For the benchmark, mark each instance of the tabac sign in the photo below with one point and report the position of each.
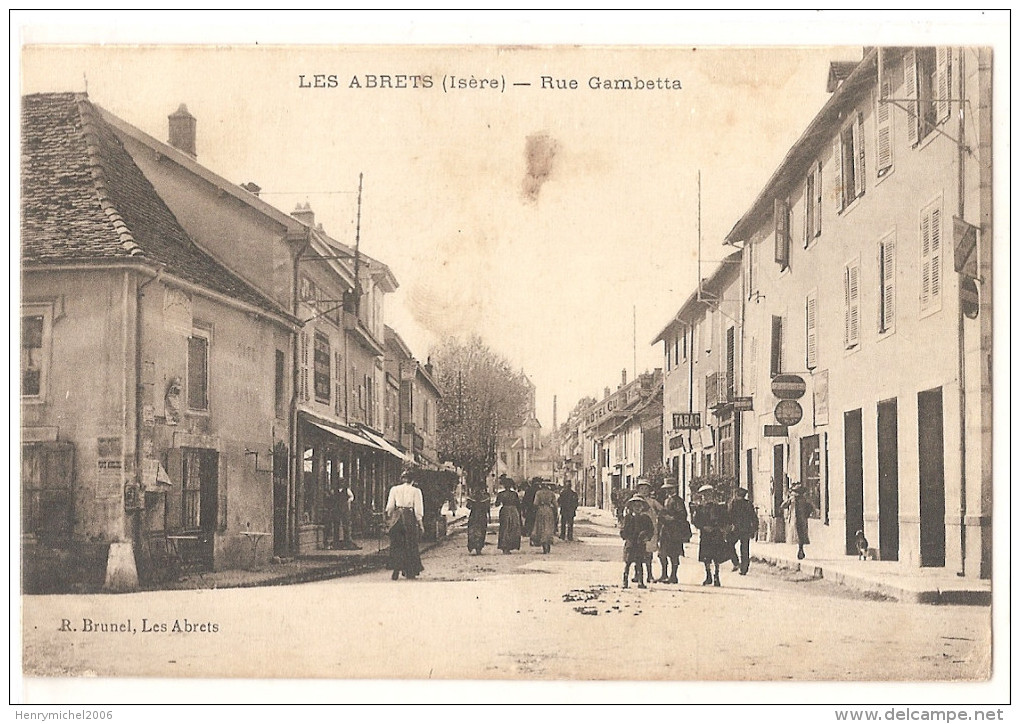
(686, 420)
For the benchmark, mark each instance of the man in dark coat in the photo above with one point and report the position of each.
(744, 520)
(568, 509)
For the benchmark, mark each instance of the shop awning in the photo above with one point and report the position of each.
(346, 435)
(385, 445)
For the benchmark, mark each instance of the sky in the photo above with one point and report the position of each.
(561, 225)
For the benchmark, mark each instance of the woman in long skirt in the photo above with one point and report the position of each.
(478, 520)
(405, 508)
(712, 519)
(509, 518)
(544, 527)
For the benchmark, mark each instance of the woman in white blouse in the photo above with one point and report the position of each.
(405, 508)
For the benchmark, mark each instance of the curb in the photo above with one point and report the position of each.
(954, 597)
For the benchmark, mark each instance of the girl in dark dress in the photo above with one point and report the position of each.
(478, 520)
(509, 518)
(636, 531)
(674, 531)
(711, 517)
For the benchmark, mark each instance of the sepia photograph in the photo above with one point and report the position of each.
(386, 354)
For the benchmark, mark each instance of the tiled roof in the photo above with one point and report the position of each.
(83, 200)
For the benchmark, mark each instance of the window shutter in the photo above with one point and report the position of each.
(749, 259)
(883, 118)
(776, 362)
(304, 366)
(925, 260)
(858, 135)
(936, 254)
(338, 403)
(837, 169)
(730, 360)
(818, 200)
(811, 331)
(852, 332)
(809, 208)
(781, 218)
(888, 268)
(910, 91)
(942, 83)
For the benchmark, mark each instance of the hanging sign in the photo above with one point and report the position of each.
(789, 412)
(788, 387)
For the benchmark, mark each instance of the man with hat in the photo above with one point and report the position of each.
(568, 509)
(745, 527)
(674, 531)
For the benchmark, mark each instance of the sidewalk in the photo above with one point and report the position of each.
(888, 578)
(317, 566)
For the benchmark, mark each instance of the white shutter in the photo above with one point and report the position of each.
(852, 295)
(304, 367)
(925, 260)
(811, 330)
(910, 92)
(936, 255)
(818, 200)
(942, 83)
(887, 252)
(781, 219)
(837, 168)
(809, 207)
(883, 136)
(858, 135)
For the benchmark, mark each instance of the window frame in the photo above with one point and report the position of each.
(45, 311)
(203, 332)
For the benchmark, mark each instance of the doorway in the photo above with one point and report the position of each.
(853, 455)
(933, 480)
(888, 483)
(200, 512)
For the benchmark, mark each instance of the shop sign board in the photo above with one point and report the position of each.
(788, 387)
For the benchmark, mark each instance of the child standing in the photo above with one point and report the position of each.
(637, 530)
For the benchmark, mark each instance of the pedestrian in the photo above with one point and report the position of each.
(528, 504)
(544, 527)
(405, 509)
(636, 531)
(478, 520)
(619, 498)
(644, 491)
(568, 510)
(343, 501)
(798, 509)
(674, 531)
(509, 517)
(711, 518)
(331, 518)
(744, 521)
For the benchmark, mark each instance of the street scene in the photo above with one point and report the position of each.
(510, 363)
(525, 615)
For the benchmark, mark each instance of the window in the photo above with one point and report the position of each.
(683, 346)
(813, 205)
(852, 305)
(34, 357)
(730, 363)
(884, 130)
(848, 154)
(669, 358)
(676, 349)
(369, 400)
(811, 330)
(280, 386)
(927, 73)
(198, 370)
(931, 257)
(776, 361)
(887, 278)
(781, 224)
(322, 360)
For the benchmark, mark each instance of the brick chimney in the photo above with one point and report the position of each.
(182, 130)
(252, 188)
(304, 214)
(623, 378)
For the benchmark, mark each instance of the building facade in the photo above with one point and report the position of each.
(146, 423)
(702, 413)
(867, 277)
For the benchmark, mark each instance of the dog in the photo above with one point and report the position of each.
(861, 543)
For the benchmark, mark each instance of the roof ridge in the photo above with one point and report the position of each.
(98, 172)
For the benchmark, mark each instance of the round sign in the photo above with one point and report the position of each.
(788, 387)
(789, 412)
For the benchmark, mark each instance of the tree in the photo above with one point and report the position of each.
(482, 398)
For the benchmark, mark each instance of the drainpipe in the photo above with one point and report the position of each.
(293, 479)
(961, 155)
